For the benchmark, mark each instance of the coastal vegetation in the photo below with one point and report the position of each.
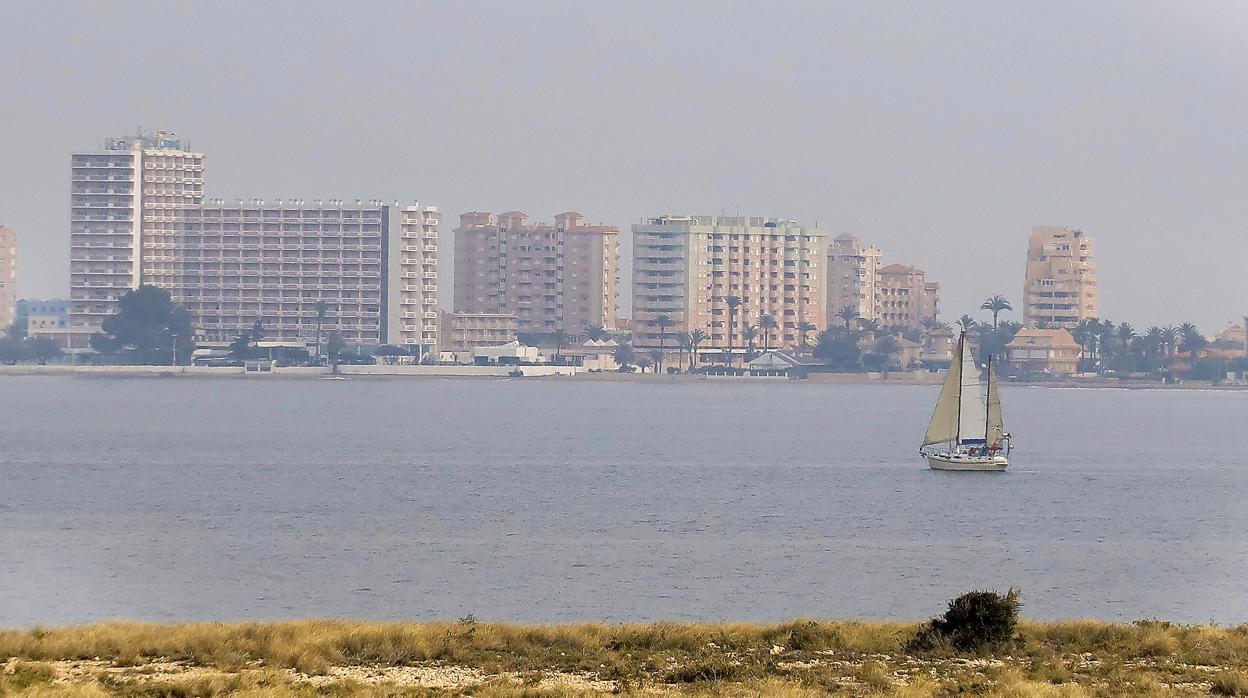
(472, 658)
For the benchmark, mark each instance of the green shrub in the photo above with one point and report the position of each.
(975, 621)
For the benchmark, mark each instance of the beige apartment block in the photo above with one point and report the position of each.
(853, 272)
(123, 203)
(563, 276)
(367, 271)
(687, 267)
(904, 297)
(8, 277)
(1060, 284)
(463, 332)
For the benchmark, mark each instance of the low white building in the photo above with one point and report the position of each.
(510, 353)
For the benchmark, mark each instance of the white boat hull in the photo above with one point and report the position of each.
(962, 461)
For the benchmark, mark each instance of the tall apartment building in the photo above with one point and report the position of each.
(367, 271)
(1060, 283)
(8, 277)
(686, 267)
(551, 277)
(123, 203)
(853, 270)
(904, 297)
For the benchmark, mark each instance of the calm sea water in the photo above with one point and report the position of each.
(536, 500)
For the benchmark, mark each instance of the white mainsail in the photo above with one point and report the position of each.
(972, 424)
(996, 425)
(944, 425)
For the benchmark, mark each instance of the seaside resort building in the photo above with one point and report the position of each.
(367, 271)
(1059, 287)
(686, 267)
(560, 277)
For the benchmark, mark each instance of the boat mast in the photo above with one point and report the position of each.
(957, 433)
(988, 403)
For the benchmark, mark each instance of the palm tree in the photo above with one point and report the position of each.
(733, 303)
(804, 329)
(1152, 346)
(996, 305)
(696, 338)
(1193, 340)
(664, 321)
(767, 323)
(849, 313)
(656, 356)
(1085, 334)
(868, 326)
(750, 334)
(320, 318)
(686, 344)
(559, 336)
(1124, 333)
(1171, 335)
(886, 346)
(595, 332)
(967, 323)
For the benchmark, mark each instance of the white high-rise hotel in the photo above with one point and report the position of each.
(123, 203)
(367, 271)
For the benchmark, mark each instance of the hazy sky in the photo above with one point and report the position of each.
(940, 130)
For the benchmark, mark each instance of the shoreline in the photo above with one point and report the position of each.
(799, 658)
(577, 374)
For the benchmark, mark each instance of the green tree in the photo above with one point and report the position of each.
(148, 323)
(43, 348)
(996, 305)
(389, 353)
(334, 347)
(838, 350)
(887, 352)
(967, 324)
(644, 362)
(13, 349)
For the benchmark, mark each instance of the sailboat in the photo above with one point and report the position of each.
(966, 431)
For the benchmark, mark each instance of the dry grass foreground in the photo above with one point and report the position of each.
(800, 658)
